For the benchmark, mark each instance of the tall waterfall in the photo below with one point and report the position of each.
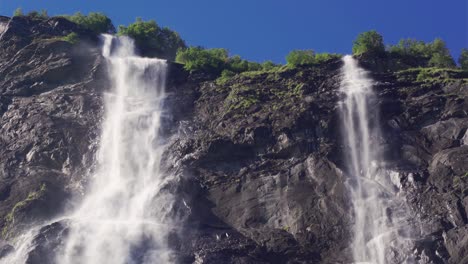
(379, 211)
(124, 215)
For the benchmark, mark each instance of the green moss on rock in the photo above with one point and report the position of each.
(10, 217)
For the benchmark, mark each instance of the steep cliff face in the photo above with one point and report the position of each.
(50, 106)
(260, 155)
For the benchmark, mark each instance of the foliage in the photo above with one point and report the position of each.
(72, 38)
(300, 57)
(410, 47)
(308, 57)
(441, 61)
(238, 65)
(240, 98)
(440, 54)
(369, 42)
(225, 76)
(199, 59)
(39, 15)
(431, 75)
(270, 91)
(324, 57)
(18, 12)
(217, 62)
(96, 22)
(10, 217)
(269, 65)
(153, 40)
(416, 53)
(33, 14)
(463, 59)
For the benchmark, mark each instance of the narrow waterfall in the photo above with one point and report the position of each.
(124, 215)
(379, 212)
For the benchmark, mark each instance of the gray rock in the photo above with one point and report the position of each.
(270, 174)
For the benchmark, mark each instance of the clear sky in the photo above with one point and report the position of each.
(262, 30)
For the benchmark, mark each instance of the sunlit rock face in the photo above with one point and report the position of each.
(262, 175)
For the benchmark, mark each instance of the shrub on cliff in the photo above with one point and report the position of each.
(370, 42)
(308, 57)
(269, 65)
(238, 65)
(416, 53)
(72, 38)
(152, 40)
(410, 47)
(440, 55)
(200, 59)
(324, 57)
(218, 63)
(463, 59)
(33, 14)
(18, 12)
(300, 57)
(38, 15)
(96, 22)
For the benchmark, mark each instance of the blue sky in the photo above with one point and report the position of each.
(262, 30)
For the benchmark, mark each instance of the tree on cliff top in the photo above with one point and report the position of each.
(153, 40)
(463, 59)
(300, 57)
(96, 22)
(18, 12)
(308, 57)
(197, 58)
(418, 53)
(369, 42)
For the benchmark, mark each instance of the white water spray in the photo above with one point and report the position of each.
(379, 211)
(124, 217)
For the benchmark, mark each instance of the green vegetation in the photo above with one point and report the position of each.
(324, 57)
(241, 98)
(218, 63)
(440, 55)
(10, 217)
(238, 65)
(463, 59)
(33, 14)
(226, 75)
(72, 38)
(411, 47)
(432, 75)
(300, 57)
(153, 40)
(415, 53)
(39, 15)
(274, 92)
(269, 65)
(308, 57)
(96, 22)
(18, 12)
(199, 59)
(370, 42)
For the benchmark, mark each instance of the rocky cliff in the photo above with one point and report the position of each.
(259, 155)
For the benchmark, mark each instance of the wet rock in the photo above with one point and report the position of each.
(260, 157)
(5, 248)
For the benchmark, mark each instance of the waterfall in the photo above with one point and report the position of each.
(124, 217)
(380, 227)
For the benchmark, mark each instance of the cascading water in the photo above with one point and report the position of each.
(379, 211)
(124, 216)
(128, 212)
